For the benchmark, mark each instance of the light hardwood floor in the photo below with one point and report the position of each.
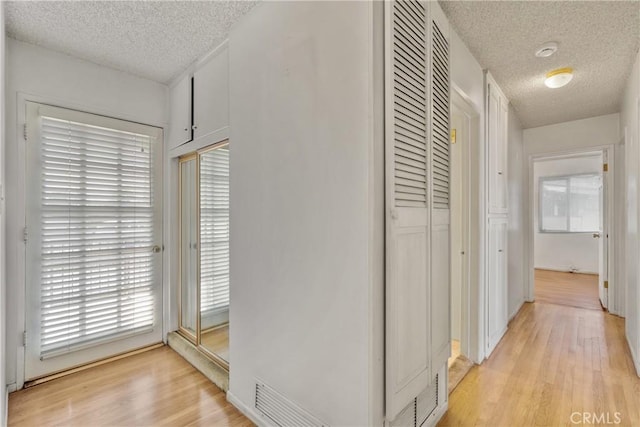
(573, 289)
(553, 361)
(217, 341)
(155, 388)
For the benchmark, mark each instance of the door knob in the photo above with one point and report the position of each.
(596, 235)
(155, 249)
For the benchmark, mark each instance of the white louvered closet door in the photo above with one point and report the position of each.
(94, 238)
(407, 356)
(440, 191)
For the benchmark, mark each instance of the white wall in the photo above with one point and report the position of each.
(301, 145)
(564, 251)
(467, 77)
(516, 183)
(630, 130)
(3, 282)
(562, 138)
(573, 135)
(38, 74)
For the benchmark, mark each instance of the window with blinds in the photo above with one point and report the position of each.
(440, 118)
(410, 104)
(214, 233)
(97, 217)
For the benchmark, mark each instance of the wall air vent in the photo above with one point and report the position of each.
(427, 402)
(280, 411)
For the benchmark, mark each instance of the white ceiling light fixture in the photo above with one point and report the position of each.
(558, 78)
(547, 50)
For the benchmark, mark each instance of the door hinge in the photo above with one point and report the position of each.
(24, 131)
(605, 167)
(24, 339)
(25, 234)
(453, 136)
(606, 284)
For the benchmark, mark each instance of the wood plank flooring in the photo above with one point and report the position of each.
(155, 388)
(553, 361)
(572, 289)
(217, 341)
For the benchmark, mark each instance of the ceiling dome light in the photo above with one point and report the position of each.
(558, 78)
(547, 49)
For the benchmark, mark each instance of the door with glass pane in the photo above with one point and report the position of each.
(93, 238)
(204, 249)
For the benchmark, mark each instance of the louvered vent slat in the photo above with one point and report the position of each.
(440, 119)
(410, 104)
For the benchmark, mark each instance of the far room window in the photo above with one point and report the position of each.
(570, 204)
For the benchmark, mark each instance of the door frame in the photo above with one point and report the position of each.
(470, 344)
(608, 152)
(15, 130)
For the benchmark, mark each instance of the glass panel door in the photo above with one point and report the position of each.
(204, 246)
(214, 251)
(188, 247)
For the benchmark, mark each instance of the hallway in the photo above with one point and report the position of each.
(554, 361)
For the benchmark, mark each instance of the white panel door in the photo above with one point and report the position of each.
(497, 134)
(211, 95)
(603, 237)
(94, 222)
(497, 308)
(408, 317)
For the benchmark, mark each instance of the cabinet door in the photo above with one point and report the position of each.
(494, 152)
(211, 96)
(497, 282)
(503, 134)
(180, 125)
(497, 115)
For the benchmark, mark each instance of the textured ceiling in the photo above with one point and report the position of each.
(153, 39)
(598, 39)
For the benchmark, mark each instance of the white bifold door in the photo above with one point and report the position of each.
(417, 202)
(93, 238)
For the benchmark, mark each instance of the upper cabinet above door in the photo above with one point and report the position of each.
(200, 103)
(211, 96)
(497, 129)
(180, 130)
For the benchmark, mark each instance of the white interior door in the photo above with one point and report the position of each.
(603, 237)
(457, 224)
(408, 317)
(94, 238)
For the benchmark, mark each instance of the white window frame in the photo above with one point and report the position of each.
(566, 178)
(91, 353)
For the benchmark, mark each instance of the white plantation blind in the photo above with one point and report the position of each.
(96, 234)
(440, 118)
(214, 231)
(410, 104)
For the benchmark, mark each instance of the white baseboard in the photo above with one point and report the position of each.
(248, 412)
(634, 356)
(437, 415)
(12, 387)
(517, 309)
(5, 410)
